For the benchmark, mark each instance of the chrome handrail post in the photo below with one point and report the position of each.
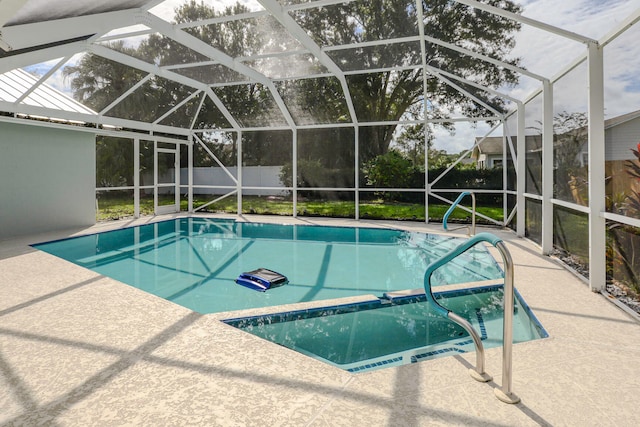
(504, 393)
(478, 373)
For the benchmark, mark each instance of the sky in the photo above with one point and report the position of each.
(547, 55)
(542, 53)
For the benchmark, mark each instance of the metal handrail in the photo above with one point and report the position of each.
(472, 230)
(504, 393)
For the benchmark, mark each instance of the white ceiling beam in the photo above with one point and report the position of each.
(364, 124)
(434, 70)
(528, 21)
(130, 61)
(299, 34)
(41, 111)
(223, 109)
(485, 58)
(44, 78)
(203, 48)
(189, 65)
(222, 19)
(195, 116)
(468, 94)
(273, 55)
(630, 21)
(370, 43)
(125, 94)
(133, 124)
(46, 32)
(315, 4)
(125, 35)
(62, 115)
(177, 107)
(12, 62)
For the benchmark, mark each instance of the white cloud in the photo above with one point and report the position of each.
(463, 137)
(546, 53)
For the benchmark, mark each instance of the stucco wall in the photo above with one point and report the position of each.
(47, 179)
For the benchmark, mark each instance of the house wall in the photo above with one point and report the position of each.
(47, 179)
(620, 139)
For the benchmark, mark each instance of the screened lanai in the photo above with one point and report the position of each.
(205, 101)
(178, 137)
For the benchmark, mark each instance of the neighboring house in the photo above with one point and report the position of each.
(488, 154)
(622, 133)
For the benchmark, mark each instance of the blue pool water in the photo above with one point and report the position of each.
(194, 261)
(371, 335)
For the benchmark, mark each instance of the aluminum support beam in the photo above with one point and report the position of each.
(521, 170)
(45, 32)
(356, 169)
(505, 167)
(239, 169)
(547, 167)
(597, 207)
(42, 55)
(136, 177)
(294, 173)
(190, 174)
(423, 54)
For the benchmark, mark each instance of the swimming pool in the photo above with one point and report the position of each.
(389, 332)
(194, 261)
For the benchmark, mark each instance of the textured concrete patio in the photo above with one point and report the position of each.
(80, 349)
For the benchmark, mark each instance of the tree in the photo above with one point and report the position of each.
(114, 162)
(570, 132)
(390, 95)
(97, 82)
(411, 142)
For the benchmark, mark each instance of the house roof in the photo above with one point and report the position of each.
(490, 145)
(19, 86)
(615, 121)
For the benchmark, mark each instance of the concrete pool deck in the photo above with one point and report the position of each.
(80, 349)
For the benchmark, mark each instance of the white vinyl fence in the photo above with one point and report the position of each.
(252, 176)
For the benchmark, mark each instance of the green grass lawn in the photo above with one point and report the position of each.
(111, 208)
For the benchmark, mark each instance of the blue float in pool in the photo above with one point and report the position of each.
(261, 279)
